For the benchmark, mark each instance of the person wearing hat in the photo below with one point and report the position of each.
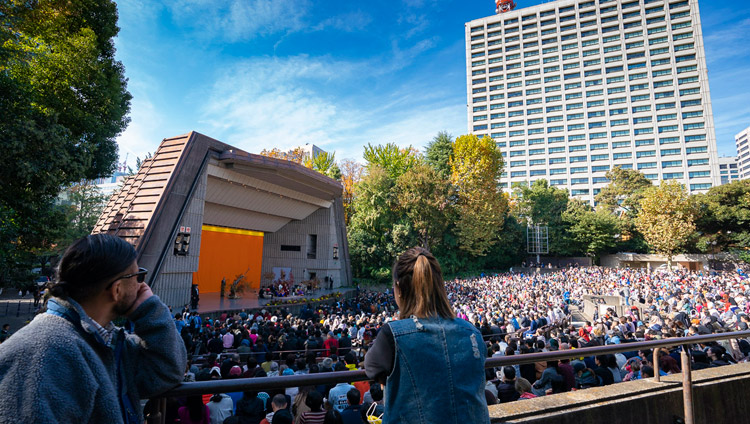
(215, 373)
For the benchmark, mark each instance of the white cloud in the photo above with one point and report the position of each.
(347, 22)
(240, 20)
(147, 124)
(272, 102)
(728, 43)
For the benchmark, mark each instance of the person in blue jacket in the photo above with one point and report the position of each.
(428, 348)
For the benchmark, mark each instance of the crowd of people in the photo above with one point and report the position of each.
(516, 314)
(409, 340)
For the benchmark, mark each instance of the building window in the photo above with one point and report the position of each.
(312, 246)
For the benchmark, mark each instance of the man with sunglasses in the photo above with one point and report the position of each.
(72, 364)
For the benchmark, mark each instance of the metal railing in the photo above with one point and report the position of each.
(17, 308)
(356, 346)
(266, 383)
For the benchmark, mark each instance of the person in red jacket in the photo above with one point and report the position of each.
(330, 342)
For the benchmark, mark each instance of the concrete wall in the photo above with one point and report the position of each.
(323, 224)
(617, 303)
(719, 397)
(176, 276)
(173, 283)
(641, 260)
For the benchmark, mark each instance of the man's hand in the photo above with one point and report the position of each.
(144, 292)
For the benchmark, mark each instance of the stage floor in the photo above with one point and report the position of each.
(212, 302)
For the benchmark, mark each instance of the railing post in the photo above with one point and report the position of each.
(657, 376)
(687, 385)
(163, 410)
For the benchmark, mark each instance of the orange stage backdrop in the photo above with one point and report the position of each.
(226, 253)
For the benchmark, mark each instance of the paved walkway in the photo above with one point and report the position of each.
(578, 318)
(16, 310)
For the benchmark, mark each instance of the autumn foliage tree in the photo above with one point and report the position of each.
(351, 174)
(476, 165)
(666, 218)
(296, 155)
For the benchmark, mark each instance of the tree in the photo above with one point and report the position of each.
(84, 203)
(351, 174)
(542, 204)
(666, 218)
(377, 232)
(624, 192)
(394, 160)
(63, 99)
(480, 205)
(296, 155)
(724, 217)
(325, 163)
(423, 198)
(139, 163)
(438, 154)
(621, 198)
(593, 231)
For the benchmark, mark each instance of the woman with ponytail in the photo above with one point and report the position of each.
(432, 363)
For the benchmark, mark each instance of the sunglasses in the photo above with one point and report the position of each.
(140, 277)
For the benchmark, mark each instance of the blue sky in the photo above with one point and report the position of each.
(259, 74)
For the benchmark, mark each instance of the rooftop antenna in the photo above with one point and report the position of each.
(502, 6)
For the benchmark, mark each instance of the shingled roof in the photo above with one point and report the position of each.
(163, 184)
(130, 210)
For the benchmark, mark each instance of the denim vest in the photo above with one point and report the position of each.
(438, 373)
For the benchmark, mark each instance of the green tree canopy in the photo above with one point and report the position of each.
(63, 99)
(423, 199)
(724, 216)
(594, 232)
(325, 163)
(624, 192)
(84, 203)
(393, 159)
(438, 153)
(377, 231)
(542, 204)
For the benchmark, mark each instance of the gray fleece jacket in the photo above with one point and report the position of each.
(52, 371)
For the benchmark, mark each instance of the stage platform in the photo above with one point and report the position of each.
(212, 302)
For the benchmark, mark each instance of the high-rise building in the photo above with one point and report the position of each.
(728, 169)
(572, 88)
(311, 150)
(743, 153)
